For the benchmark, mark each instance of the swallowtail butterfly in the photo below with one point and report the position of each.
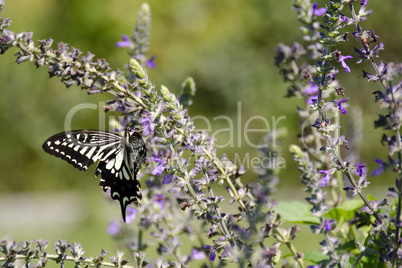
(120, 158)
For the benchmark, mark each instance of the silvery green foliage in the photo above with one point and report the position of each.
(311, 71)
(179, 200)
(35, 254)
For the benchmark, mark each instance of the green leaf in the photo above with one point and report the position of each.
(314, 256)
(346, 211)
(296, 212)
(348, 246)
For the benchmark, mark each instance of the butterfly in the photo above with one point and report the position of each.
(120, 158)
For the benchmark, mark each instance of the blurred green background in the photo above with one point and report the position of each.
(227, 46)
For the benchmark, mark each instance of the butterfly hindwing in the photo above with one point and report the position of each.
(119, 174)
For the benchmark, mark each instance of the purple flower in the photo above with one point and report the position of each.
(332, 74)
(324, 181)
(148, 126)
(392, 191)
(312, 100)
(342, 59)
(197, 254)
(363, 2)
(380, 169)
(160, 201)
(213, 254)
(318, 12)
(167, 179)
(114, 227)
(360, 169)
(328, 225)
(94, 91)
(131, 213)
(375, 205)
(150, 62)
(311, 89)
(344, 18)
(157, 159)
(339, 104)
(319, 124)
(120, 106)
(159, 169)
(125, 43)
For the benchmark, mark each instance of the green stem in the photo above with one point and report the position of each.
(174, 251)
(352, 180)
(218, 165)
(223, 225)
(336, 151)
(226, 177)
(140, 233)
(291, 247)
(223, 228)
(339, 174)
(397, 135)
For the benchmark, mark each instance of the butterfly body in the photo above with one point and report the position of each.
(120, 159)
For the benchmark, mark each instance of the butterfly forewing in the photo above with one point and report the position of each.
(120, 159)
(81, 148)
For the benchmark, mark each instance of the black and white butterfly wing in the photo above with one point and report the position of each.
(120, 159)
(119, 172)
(81, 148)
